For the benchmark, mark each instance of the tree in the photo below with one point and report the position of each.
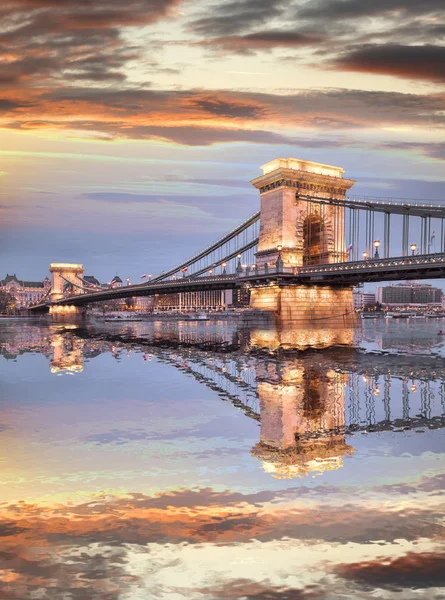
(7, 302)
(130, 303)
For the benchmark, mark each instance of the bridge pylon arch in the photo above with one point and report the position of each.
(62, 273)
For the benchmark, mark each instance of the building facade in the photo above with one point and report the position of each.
(363, 299)
(406, 294)
(190, 301)
(24, 292)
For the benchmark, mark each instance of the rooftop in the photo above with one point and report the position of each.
(297, 164)
(31, 284)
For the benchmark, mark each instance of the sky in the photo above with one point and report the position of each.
(130, 132)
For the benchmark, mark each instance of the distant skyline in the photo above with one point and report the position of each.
(130, 132)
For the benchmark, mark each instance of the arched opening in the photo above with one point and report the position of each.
(314, 240)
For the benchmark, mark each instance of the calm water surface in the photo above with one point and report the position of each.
(175, 461)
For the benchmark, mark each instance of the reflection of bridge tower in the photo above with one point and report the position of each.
(295, 232)
(61, 273)
(302, 413)
(67, 354)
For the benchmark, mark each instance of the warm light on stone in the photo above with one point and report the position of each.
(296, 402)
(301, 165)
(63, 272)
(284, 218)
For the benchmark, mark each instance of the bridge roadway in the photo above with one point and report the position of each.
(427, 266)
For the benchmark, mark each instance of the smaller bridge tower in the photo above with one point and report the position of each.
(60, 274)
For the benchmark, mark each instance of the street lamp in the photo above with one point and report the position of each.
(413, 248)
(239, 268)
(365, 255)
(279, 264)
(224, 265)
(376, 246)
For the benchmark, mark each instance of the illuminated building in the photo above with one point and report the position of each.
(409, 294)
(25, 292)
(188, 301)
(363, 299)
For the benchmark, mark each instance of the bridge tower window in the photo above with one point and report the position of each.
(315, 246)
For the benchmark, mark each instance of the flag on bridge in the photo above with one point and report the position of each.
(143, 276)
(434, 235)
(349, 248)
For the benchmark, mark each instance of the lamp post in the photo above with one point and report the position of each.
(413, 249)
(224, 265)
(365, 255)
(376, 246)
(239, 268)
(279, 264)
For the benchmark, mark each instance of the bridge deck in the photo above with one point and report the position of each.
(429, 266)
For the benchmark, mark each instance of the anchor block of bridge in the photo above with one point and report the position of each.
(295, 233)
(61, 273)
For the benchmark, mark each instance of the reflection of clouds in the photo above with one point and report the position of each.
(198, 542)
(300, 541)
(415, 570)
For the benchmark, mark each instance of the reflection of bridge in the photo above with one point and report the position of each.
(308, 407)
(301, 253)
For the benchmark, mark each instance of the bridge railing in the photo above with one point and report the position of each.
(359, 265)
(402, 261)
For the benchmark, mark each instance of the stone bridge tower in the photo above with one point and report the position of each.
(302, 233)
(60, 274)
(305, 233)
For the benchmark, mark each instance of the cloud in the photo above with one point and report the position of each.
(415, 570)
(351, 9)
(43, 42)
(252, 590)
(411, 62)
(434, 150)
(264, 40)
(227, 18)
(201, 117)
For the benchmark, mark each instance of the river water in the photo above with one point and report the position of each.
(186, 461)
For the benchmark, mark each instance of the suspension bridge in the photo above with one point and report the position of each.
(300, 254)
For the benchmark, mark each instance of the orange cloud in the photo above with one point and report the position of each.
(198, 117)
(84, 547)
